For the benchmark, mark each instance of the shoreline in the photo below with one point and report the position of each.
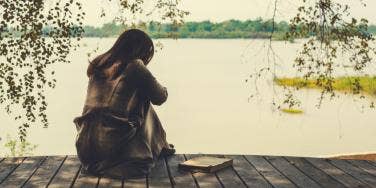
(369, 157)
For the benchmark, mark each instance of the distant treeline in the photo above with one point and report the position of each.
(257, 28)
(228, 29)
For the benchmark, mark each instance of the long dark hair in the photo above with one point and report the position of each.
(131, 44)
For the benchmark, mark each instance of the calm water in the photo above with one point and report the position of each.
(208, 109)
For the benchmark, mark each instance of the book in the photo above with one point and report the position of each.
(206, 164)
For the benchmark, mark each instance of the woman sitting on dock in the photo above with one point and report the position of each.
(119, 133)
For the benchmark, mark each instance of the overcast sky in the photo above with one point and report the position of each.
(220, 10)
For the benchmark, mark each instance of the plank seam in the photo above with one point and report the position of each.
(374, 175)
(241, 179)
(169, 173)
(372, 163)
(333, 178)
(98, 178)
(359, 180)
(233, 169)
(280, 172)
(194, 178)
(57, 170)
(41, 161)
(219, 180)
(270, 184)
(147, 180)
(76, 176)
(12, 170)
(303, 172)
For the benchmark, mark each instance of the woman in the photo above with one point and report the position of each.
(119, 133)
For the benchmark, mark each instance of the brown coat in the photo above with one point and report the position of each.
(119, 133)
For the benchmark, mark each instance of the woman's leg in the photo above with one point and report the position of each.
(156, 134)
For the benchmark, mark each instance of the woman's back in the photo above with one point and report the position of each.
(119, 93)
(118, 124)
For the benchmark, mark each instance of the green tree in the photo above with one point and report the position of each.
(153, 27)
(205, 26)
(192, 26)
(112, 29)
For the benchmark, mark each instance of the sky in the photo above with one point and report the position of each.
(220, 10)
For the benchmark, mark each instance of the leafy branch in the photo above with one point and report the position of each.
(25, 72)
(35, 35)
(333, 32)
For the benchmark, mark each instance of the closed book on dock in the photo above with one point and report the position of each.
(205, 164)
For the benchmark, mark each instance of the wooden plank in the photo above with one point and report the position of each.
(336, 173)
(108, 182)
(67, 173)
(248, 173)
(228, 177)
(179, 178)
(372, 162)
(355, 172)
(45, 172)
(292, 173)
(8, 165)
(205, 180)
(135, 183)
(85, 180)
(269, 172)
(158, 176)
(365, 166)
(319, 176)
(23, 172)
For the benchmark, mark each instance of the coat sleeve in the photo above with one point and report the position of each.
(148, 84)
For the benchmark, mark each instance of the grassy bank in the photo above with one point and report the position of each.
(343, 84)
(292, 111)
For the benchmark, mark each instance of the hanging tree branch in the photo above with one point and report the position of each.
(330, 30)
(36, 34)
(32, 38)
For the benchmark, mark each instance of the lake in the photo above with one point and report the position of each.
(209, 110)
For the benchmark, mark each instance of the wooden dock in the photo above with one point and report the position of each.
(248, 171)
